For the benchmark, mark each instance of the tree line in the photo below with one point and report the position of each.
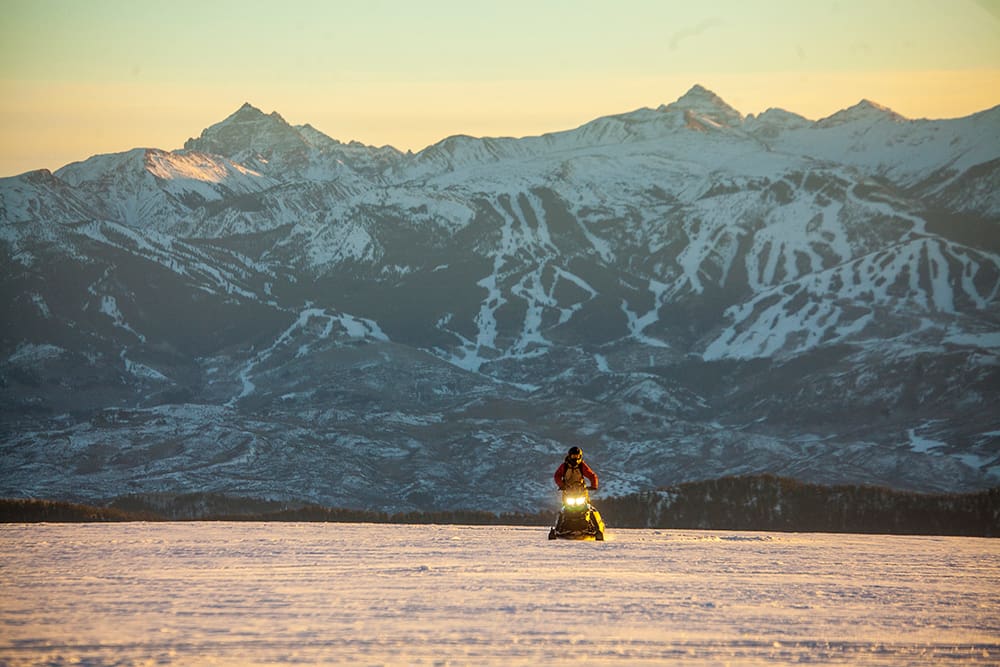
(757, 502)
(771, 503)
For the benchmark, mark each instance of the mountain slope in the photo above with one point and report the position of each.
(683, 291)
(269, 144)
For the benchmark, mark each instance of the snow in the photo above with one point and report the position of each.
(109, 307)
(637, 324)
(281, 594)
(200, 173)
(602, 363)
(141, 370)
(353, 327)
(923, 445)
(770, 323)
(177, 256)
(332, 245)
(30, 353)
(984, 340)
(43, 308)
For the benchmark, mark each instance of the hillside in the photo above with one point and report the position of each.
(683, 291)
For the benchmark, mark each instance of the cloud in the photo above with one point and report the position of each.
(697, 30)
(991, 6)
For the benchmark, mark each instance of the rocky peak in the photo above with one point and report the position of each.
(701, 103)
(248, 131)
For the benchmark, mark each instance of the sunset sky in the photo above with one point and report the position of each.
(80, 78)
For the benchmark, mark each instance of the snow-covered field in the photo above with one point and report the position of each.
(279, 594)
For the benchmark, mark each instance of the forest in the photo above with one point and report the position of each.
(755, 502)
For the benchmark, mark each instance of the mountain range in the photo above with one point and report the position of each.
(685, 292)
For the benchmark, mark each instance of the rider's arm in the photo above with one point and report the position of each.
(558, 477)
(589, 473)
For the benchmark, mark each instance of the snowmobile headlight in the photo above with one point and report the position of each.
(574, 501)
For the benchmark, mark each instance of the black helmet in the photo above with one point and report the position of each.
(575, 454)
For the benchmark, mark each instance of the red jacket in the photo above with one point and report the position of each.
(585, 470)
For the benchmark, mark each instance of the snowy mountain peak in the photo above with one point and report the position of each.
(248, 109)
(246, 132)
(864, 111)
(314, 137)
(773, 122)
(699, 102)
(38, 177)
(699, 94)
(268, 144)
(249, 113)
(776, 115)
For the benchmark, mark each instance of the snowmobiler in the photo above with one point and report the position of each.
(578, 519)
(574, 470)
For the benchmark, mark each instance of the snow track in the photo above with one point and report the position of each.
(274, 594)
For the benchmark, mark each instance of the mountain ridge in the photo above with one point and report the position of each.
(698, 97)
(684, 292)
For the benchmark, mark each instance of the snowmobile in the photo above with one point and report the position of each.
(578, 519)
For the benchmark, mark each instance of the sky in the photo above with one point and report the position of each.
(79, 78)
